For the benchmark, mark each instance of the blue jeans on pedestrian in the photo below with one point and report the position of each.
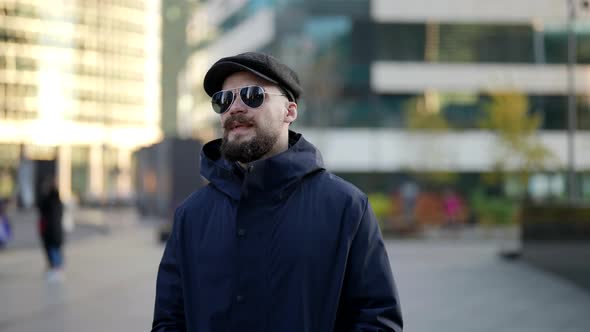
(55, 257)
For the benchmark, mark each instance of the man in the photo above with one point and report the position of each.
(274, 242)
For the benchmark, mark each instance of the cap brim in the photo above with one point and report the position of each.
(215, 77)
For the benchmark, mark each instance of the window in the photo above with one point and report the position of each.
(454, 42)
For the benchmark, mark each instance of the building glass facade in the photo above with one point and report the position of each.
(335, 46)
(76, 77)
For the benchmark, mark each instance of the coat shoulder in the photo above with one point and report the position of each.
(341, 189)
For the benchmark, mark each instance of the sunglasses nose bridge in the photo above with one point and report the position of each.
(244, 105)
(237, 104)
(238, 95)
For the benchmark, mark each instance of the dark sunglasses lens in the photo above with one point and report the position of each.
(221, 101)
(252, 96)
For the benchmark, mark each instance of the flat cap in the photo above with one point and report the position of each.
(262, 65)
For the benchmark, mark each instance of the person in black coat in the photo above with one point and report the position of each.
(274, 241)
(50, 227)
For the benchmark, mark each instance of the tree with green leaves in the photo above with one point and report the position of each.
(507, 115)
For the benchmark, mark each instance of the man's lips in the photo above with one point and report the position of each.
(238, 125)
(239, 128)
(238, 122)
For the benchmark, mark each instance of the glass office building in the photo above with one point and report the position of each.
(366, 64)
(79, 85)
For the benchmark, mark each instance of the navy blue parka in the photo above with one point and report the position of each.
(280, 246)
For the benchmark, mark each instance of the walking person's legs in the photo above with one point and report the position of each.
(47, 251)
(56, 261)
(56, 257)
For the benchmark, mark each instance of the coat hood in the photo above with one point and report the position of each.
(266, 177)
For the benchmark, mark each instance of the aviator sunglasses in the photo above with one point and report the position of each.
(252, 96)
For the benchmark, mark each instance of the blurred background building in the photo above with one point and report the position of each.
(406, 89)
(79, 92)
(465, 95)
(174, 54)
(447, 113)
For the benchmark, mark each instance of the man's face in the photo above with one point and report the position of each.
(251, 133)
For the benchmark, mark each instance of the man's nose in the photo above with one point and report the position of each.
(237, 106)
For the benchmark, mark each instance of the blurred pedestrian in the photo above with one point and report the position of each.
(453, 207)
(274, 242)
(5, 227)
(409, 194)
(51, 228)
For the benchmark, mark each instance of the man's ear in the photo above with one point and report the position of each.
(291, 114)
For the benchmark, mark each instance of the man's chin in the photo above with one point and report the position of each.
(236, 141)
(247, 146)
(238, 136)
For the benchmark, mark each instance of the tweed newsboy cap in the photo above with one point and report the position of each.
(259, 64)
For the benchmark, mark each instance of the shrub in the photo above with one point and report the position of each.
(493, 209)
(382, 206)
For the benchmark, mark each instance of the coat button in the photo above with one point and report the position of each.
(239, 299)
(241, 232)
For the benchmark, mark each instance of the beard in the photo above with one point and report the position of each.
(253, 149)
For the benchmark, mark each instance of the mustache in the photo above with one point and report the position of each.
(235, 119)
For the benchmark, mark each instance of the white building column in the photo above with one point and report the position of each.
(124, 181)
(64, 171)
(96, 172)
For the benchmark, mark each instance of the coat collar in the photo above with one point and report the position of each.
(262, 178)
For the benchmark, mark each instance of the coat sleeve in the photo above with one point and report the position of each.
(169, 303)
(369, 300)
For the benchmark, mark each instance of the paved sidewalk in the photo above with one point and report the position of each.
(445, 285)
(109, 286)
(25, 233)
(87, 222)
(463, 286)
